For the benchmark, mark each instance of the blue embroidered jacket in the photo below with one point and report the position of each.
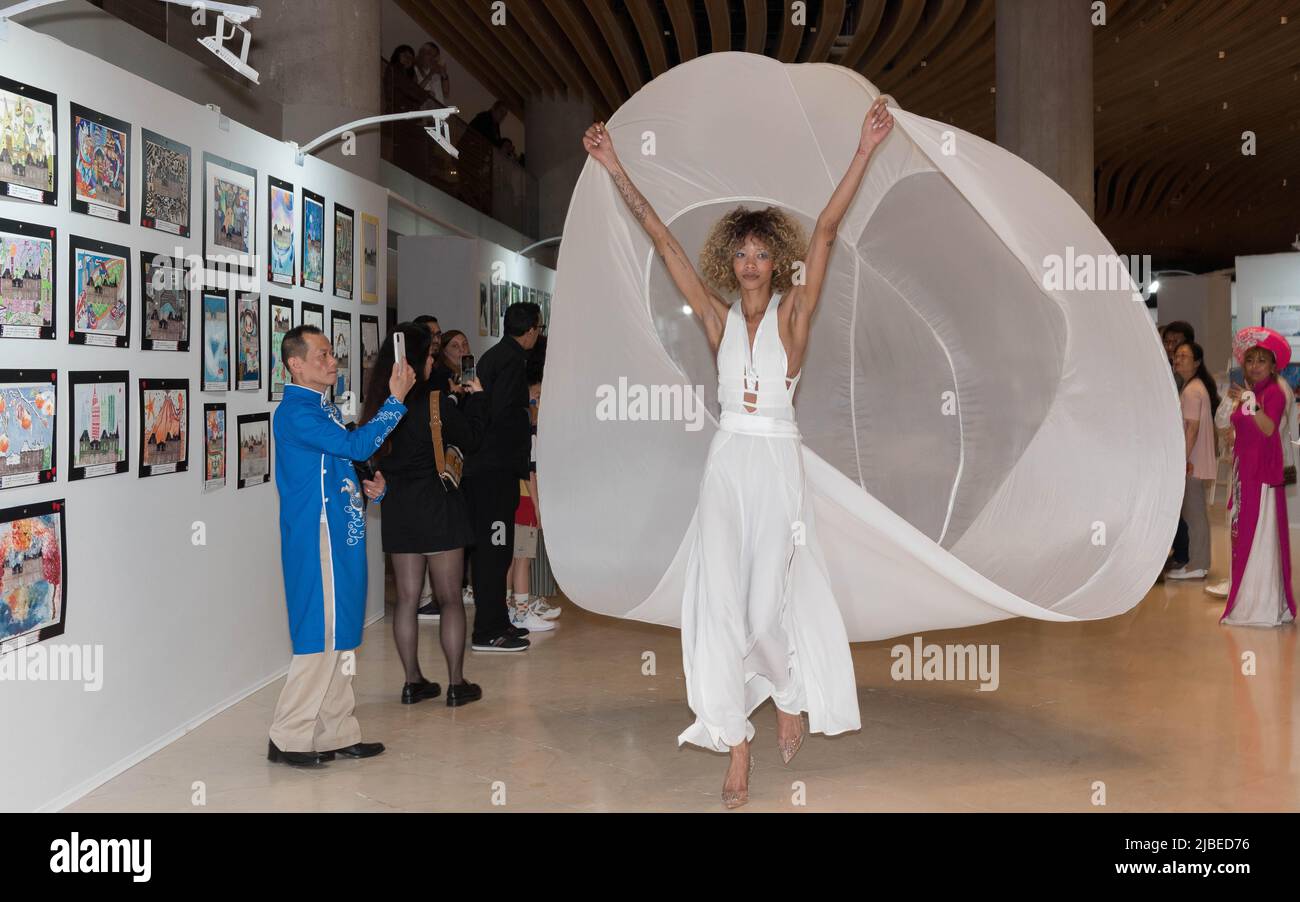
(314, 474)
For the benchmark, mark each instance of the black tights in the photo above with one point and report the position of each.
(445, 569)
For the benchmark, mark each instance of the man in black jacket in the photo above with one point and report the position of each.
(492, 474)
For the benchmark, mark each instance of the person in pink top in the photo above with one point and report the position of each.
(1199, 398)
(1261, 547)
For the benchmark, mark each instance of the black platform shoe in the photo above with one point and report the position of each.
(418, 692)
(463, 693)
(356, 750)
(296, 759)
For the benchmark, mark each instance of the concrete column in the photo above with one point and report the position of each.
(1044, 89)
(554, 157)
(320, 59)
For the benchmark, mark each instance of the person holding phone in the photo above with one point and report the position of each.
(1199, 397)
(425, 525)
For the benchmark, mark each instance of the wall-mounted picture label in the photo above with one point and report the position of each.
(27, 307)
(99, 428)
(344, 244)
(369, 259)
(28, 434)
(313, 240)
(229, 202)
(215, 366)
(33, 572)
(164, 434)
(254, 449)
(28, 164)
(165, 290)
(280, 265)
(313, 315)
(248, 342)
(214, 447)
(281, 323)
(99, 293)
(165, 188)
(369, 350)
(341, 337)
(101, 164)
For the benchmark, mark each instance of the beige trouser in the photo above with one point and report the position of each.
(314, 713)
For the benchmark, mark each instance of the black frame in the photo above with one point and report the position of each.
(230, 260)
(26, 512)
(152, 222)
(243, 418)
(346, 293)
(13, 190)
(225, 445)
(203, 336)
(147, 342)
(290, 278)
(361, 343)
(32, 376)
(286, 304)
(89, 208)
(42, 233)
(344, 316)
(311, 197)
(98, 377)
(89, 245)
(183, 464)
(314, 308)
(257, 311)
(380, 243)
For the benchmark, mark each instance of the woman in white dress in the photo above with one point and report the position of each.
(758, 616)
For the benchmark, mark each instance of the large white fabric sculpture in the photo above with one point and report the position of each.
(979, 443)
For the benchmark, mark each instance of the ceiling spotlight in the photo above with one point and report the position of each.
(236, 16)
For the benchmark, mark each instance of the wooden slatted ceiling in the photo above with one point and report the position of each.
(1160, 89)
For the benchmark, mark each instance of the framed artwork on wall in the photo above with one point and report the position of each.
(495, 312)
(99, 430)
(28, 143)
(485, 300)
(344, 244)
(281, 323)
(369, 350)
(313, 315)
(164, 430)
(214, 368)
(34, 572)
(164, 184)
(214, 447)
(280, 220)
(248, 341)
(101, 164)
(341, 336)
(254, 449)
(27, 271)
(164, 288)
(28, 430)
(229, 205)
(369, 259)
(99, 293)
(313, 240)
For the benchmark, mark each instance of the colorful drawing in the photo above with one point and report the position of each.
(254, 449)
(282, 249)
(248, 334)
(281, 323)
(27, 427)
(343, 249)
(26, 280)
(33, 573)
(101, 170)
(369, 350)
(214, 446)
(313, 315)
(164, 411)
(166, 304)
(100, 420)
(216, 342)
(27, 142)
(313, 240)
(100, 293)
(229, 201)
(341, 337)
(166, 203)
(369, 259)
(485, 307)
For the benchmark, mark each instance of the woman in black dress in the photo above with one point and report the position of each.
(425, 524)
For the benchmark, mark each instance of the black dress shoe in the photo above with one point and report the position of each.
(463, 693)
(418, 692)
(297, 759)
(357, 750)
(515, 632)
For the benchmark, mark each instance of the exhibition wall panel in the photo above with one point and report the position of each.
(177, 590)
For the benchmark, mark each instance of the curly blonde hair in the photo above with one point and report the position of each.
(774, 227)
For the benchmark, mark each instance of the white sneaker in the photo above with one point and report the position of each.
(524, 618)
(468, 595)
(544, 610)
(1221, 588)
(1184, 573)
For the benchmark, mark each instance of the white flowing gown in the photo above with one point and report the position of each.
(758, 615)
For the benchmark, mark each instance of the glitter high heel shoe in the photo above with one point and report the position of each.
(734, 798)
(790, 747)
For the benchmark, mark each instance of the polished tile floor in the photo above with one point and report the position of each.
(1150, 711)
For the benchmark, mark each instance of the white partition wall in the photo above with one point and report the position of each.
(185, 629)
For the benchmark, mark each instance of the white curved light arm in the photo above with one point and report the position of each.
(438, 131)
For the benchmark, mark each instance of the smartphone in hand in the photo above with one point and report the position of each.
(467, 371)
(399, 347)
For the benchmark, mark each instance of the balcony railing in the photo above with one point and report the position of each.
(482, 176)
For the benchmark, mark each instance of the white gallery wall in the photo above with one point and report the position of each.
(1204, 302)
(185, 629)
